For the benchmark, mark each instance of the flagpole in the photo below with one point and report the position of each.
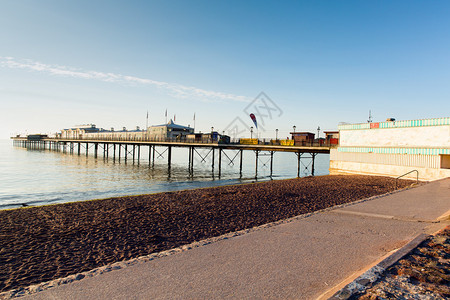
(146, 123)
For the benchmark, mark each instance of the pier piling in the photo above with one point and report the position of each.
(69, 145)
(169, 155)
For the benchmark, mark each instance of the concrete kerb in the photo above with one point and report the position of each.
(365, 280)
(374, 273)
(32, 289)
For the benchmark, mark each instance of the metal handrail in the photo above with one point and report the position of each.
(417, 177)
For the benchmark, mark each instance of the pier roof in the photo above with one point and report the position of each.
(171, 124)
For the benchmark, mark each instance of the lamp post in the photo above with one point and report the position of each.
(212, 130)
(251, 132)
(318, 131)
(276, 134)
(294, 127)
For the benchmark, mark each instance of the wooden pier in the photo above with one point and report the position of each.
(131, 150)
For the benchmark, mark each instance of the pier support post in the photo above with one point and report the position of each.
(134, 150)
(313, 155)
(114, 152)
(126, 152)
(153, 154)
(95, 150)
(189, 160)
(192, 160)
(87, 149)
(120, 150)
(256, 163)
(298, 164)
(212, 163)
(240, 163)
(220, 161)
(139, 153)
(169, 155)
(271, 163)
(149, 155)
(79, 148)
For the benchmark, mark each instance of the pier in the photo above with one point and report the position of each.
(130, 150)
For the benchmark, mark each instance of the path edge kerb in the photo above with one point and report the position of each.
(32, 289)
(373, 274)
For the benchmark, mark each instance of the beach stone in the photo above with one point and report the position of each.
(79, 276)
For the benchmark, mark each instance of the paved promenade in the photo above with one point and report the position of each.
(301, 259)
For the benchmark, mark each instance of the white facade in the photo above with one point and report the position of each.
(169, 131)
(91, 132)
(394, 148)
(427, 136)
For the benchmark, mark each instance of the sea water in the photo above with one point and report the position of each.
(37, 177)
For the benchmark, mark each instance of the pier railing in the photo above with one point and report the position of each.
(235, 141)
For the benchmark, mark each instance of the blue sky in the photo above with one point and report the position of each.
(64, 63)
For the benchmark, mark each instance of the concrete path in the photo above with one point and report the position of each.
(301, 259)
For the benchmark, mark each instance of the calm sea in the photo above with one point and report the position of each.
(37, 177)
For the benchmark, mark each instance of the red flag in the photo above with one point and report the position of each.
(252, 116)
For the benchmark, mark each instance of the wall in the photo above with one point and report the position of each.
(425, 174)
(157, 132)
(428, 136)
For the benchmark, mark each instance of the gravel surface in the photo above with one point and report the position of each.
(43, 243)
(423, 274)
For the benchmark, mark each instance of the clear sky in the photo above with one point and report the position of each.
(64, 63)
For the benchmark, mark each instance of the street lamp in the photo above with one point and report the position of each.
(318, 131)
(294, 127)
(212, 130)
(251, 132)
(276, 134)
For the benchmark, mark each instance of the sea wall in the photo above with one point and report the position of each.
(394, 165)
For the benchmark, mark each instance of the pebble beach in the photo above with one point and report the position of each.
(48, 242)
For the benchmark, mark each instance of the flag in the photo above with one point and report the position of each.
(252, 116)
